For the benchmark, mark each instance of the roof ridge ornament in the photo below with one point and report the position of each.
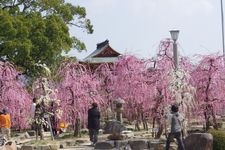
(102, 44)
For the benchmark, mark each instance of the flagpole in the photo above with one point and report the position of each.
(222, 23)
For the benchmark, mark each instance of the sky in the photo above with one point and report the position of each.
(136, 27)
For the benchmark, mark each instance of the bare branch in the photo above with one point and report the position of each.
(79, 26)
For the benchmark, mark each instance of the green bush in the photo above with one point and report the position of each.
(218, 139)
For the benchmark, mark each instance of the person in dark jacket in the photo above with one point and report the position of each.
(93, 122)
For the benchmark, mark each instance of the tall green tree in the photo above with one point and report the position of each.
(37, 31)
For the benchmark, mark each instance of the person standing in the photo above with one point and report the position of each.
(33, 107)
(176, 128)
(93, 123)
(53, 118)
(5, 124)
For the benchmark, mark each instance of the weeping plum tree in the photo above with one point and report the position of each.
(14, 96)
(128, 82)
(77, 89)
(143, 84)
(104, 75)
(208, 78)
(160, 82)
(47, 104)
(170, 85)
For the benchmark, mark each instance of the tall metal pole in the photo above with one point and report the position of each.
(174, 36)
(175, 54)
(222, 23)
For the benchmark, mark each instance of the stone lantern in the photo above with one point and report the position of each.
(118, 109)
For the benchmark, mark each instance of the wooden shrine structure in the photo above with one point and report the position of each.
(104, 53)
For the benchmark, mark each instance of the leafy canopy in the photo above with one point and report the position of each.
(37, 31)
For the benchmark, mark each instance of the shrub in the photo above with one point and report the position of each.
(218, 139)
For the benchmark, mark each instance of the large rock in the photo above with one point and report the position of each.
(116, 136)
(138, 144)
(120, 144)
(199, 141)
(104, 145)
(27, 147)
(114, 126)
(156, 144)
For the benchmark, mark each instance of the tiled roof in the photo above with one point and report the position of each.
(100, 48)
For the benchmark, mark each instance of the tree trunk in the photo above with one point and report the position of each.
(153, 127)
(207, 122)
(144, 122)
(160, 131)
(160, 128)
(215, 125)
(77, 127)
(41, 132)
(137, 126)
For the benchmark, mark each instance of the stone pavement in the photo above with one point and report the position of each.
(85, 146)
(135, 141)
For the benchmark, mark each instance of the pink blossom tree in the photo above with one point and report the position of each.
(14, 96)
(208, 78)
(160, 82)
(77, 89)
(171, 85)
(104, 74)
(126, 79)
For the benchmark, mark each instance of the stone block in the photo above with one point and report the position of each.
(53, 146)
(27, 147)
(156, 145)
(116, 136)
(162, 147)
(138, 144)
(113, 126)
(70, 143)
(26, 135)
(104, 145)
(31, 132)
(199, 141)
(43, 147)
(120, 144)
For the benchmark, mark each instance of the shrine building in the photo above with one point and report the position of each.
(104, 53)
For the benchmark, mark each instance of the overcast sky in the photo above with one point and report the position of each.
(137, 26)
